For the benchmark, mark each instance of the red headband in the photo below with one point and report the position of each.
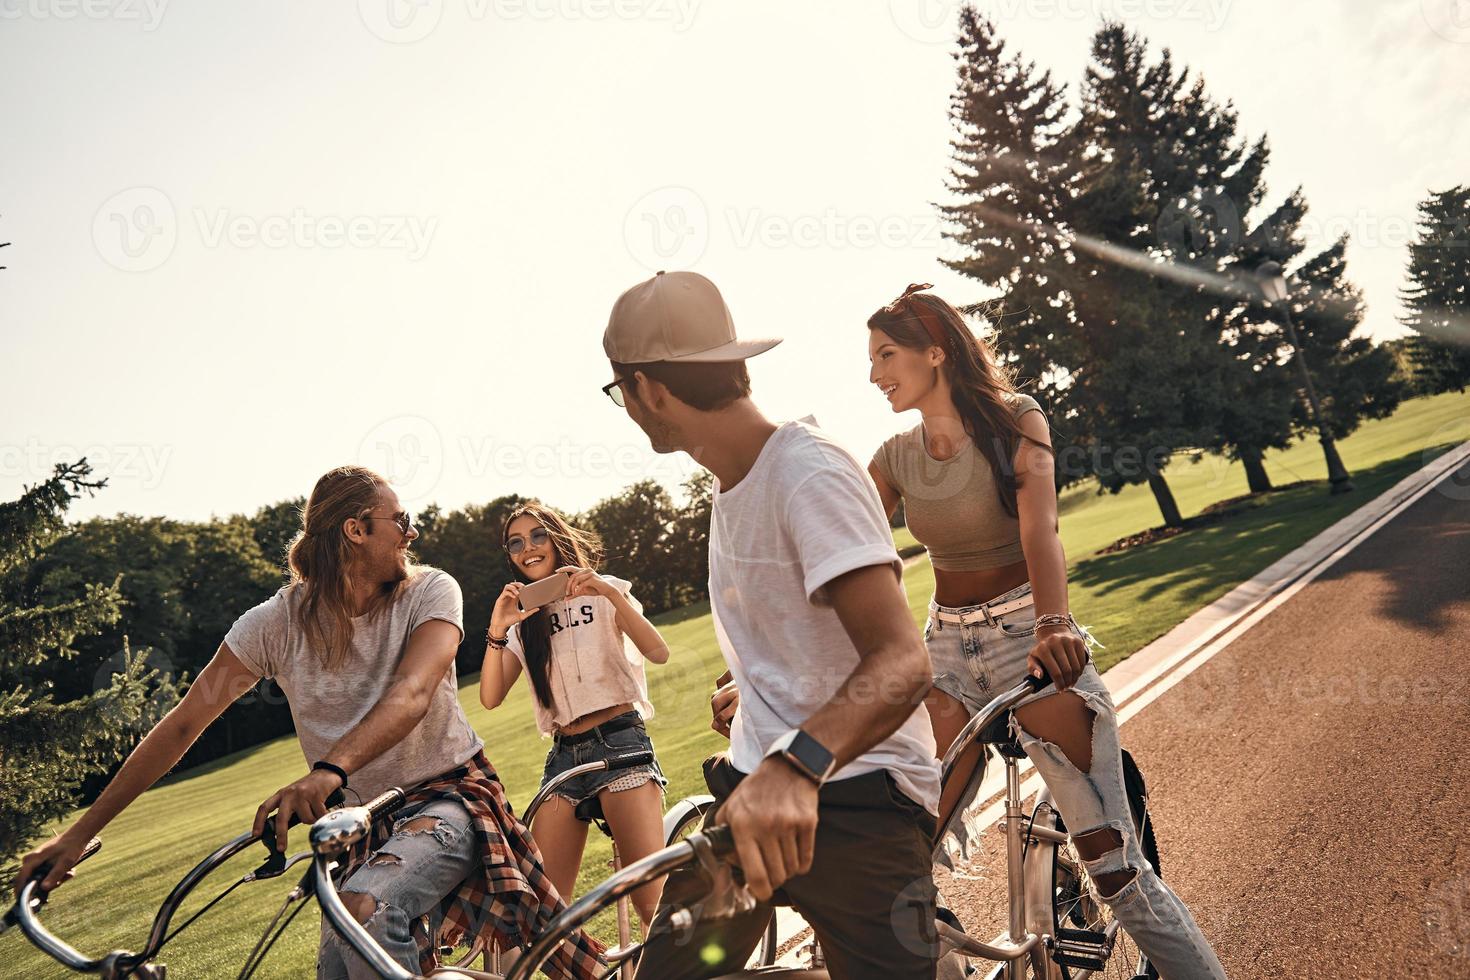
(918, 311)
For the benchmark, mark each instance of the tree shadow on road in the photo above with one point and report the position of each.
(1196, 566)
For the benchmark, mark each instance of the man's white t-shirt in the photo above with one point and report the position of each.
(806, 513)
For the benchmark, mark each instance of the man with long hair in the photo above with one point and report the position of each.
(831, 786)
(362, 641)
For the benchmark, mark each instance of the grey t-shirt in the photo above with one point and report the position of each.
(325, 704)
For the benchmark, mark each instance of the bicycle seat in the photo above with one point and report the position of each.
(998, 734)
(590, 811)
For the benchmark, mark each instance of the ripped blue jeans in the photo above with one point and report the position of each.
(974, 662)
(430, 852)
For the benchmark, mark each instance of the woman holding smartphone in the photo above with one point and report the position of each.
(976, 477)
(583, 652)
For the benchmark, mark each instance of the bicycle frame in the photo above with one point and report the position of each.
(122, 963)
(1025, 932)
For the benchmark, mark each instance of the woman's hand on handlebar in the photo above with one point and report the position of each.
(1060, 653)
(61, 852)
(305, 799)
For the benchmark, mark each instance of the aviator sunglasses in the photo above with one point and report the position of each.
(404, 521)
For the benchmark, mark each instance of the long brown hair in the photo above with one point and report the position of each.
(979, 385)
(570, 546)
(320, 558)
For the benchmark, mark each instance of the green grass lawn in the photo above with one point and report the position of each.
(1129, 598)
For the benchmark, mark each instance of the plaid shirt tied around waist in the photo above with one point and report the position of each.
(511, 901)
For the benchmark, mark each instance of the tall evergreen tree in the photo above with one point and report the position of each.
(1439, 297)
(49, 746)
(1355, 378)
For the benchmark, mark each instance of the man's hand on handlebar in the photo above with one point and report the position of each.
(61, 852)
(723, 702)
(772, 815)
(305, 799)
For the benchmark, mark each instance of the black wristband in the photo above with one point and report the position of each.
(338, 770)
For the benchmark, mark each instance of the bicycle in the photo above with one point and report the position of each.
(121, 963)
(592, 810)
(1055, 929)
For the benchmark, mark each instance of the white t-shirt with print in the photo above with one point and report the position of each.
(806, 513)
(593, 664)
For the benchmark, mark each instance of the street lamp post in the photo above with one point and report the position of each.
(1273, 288)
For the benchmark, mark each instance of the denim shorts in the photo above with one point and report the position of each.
(567, 754)
(974, 662)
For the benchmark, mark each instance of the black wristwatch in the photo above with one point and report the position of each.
(808, 756)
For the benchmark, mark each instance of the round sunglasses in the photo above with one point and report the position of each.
(516, 544)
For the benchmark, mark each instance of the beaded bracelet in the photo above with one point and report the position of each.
(1058, 619)
(499, 644)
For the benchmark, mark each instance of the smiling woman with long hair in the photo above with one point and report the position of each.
(584, 654)
(976, 478)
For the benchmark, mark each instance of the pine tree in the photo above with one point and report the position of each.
(1439, 299)
(47, 747)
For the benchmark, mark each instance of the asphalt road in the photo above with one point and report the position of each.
(1310, 783)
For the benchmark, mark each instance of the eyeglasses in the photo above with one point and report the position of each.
(403, 520)
(613, 389)
(517, 544)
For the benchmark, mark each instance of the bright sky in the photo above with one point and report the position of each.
(254, 241)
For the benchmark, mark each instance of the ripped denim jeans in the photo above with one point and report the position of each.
(430, 852)
(973, 663)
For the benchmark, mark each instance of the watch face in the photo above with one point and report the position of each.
(812, 755)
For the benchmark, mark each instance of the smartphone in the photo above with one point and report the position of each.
(537, 594)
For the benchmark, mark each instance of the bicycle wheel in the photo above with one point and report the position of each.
(1077, 914)
(683, 819)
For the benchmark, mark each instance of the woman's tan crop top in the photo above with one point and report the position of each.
(952, 505)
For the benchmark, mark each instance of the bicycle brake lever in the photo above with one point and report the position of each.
(727, 897)
(276, 865)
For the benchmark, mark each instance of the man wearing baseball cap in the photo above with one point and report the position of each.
(830, 786)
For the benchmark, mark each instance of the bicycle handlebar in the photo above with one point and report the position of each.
(709, 847)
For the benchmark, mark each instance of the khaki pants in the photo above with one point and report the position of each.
(869, 896)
